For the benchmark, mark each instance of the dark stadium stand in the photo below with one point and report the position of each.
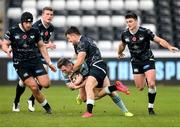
(103, 19)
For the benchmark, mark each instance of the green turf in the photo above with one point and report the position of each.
(67, 113)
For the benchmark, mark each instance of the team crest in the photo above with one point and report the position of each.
(24, 37)
(46, 33)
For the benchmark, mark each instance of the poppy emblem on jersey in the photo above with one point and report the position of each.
(134, 39)
(46, 33)
(24, 37)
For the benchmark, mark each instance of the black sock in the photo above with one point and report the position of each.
(32, 98)
(151, 97)
(89, 108)
(19, 91)
(47, 107)
(112, 88)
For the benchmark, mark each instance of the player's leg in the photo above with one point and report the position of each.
(89, 87)
(114, 96)
(139, 80)
(32, 84)
(151, 76)
(20, 88)
(31, 100)
(44, 81)
(119, 102)
(81, 96)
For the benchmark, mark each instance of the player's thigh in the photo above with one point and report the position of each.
(139, 80)
(43, 80)
(106, 82)
(91, 83)
(151, 77)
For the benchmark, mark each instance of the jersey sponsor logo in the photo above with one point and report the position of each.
(146, 66)
(25, 74)
(127, 39)
(32, 37)
(39, 71)
(141, 38)
(136, 70)
(17, 37)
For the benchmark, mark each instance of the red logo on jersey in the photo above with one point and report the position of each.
(46, 33)
(24, 37)
(134, 39)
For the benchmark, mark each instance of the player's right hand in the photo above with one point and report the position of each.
(121, 55)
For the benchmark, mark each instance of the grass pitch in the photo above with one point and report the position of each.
(66, 113)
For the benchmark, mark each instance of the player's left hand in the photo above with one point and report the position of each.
(173, 49)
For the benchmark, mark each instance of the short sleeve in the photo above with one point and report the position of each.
(150, 34)
(83, 46)
(38, 35)
(8, 35)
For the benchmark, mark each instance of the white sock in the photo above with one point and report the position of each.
(44, 102)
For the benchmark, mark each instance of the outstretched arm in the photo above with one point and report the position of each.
(165, 44)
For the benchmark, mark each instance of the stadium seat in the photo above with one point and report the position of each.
(131, 4)
(60, 45)
(105, 33)
(43, 3)
(104, 45)
(88, 7)
(117, 5)
(59, 33)
(146, 4)
(103, 20)
(152, 27)
(73, 21)
(88, 21)
(14, 13)
(117, 33)
(58, 4)
(91, 31)
(73, 4)
(59, 21)
(115, 45)
(117, 21)
(14, 3)
(29, 4)
(32, 10)
(102, 6)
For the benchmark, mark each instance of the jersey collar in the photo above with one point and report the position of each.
(21, 27)
(44, 24)
(135, 31)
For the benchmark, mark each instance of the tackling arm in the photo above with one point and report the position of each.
(80, 60)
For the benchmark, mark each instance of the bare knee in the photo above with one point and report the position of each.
(140, 88)
(45, 84)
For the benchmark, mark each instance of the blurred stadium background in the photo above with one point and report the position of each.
(104, 21)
